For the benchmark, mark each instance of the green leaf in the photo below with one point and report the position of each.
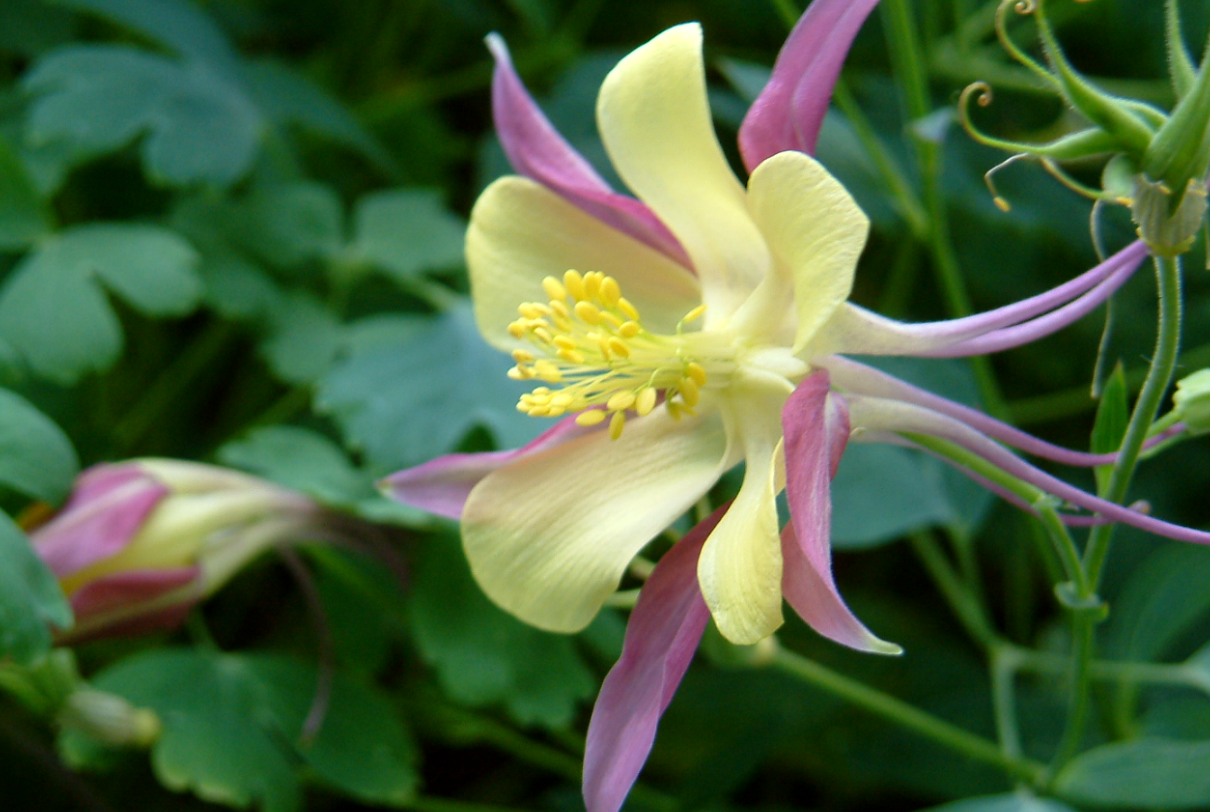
(1017, 802)
(179, 24)
(30, 598)
(299, 459)
(1150, 773)
(287, 98)
(362, 748)
(36, 458)
(1113, 413)
(29, 27)
(232, 726)
(908, 492)
(486, 657)
(410, 388)
(911, 490)
(149, 267)
(405, 232)
(304, 338)
(200, 127)
(24, 218)
(287, 224)
(1164, 600)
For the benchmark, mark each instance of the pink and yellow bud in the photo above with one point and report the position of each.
(139, 543)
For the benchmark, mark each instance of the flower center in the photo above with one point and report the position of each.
(591, 341)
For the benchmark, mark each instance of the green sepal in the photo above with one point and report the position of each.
(1180, 151)
(1109, 112)
(1180, 64)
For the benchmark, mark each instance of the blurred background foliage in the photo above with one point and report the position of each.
(231, 231)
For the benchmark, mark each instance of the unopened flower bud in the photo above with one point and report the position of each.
(109, 719)
(1192, 401)
(139, 543)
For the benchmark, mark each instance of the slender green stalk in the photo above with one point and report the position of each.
(1003, 668)
(1159, 378)
(908, 716)
(907, 59)
(965, 607)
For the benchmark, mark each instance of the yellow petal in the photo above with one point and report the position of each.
(741, 565)
(549, 537)
(816, 232)
(655, 121)
(521, 232)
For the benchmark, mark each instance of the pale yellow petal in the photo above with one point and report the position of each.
(655, 121)
(521, 232)
(741, 565)
(550, 536)
(816, 232)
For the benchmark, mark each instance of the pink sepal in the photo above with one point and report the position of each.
(441, 486)
(664, 630)
(816, 424)
(106, 509)
(537, 151)
(789, 112)
(128, 589)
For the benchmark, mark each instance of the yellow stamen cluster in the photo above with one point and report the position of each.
(589, 339)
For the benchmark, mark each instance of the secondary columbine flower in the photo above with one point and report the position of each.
(139, 543)
(680, 333)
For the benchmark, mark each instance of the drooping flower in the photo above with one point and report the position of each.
(139, 543)
(599, 297)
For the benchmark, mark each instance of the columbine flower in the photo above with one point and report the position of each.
(139, 543)
(680, 333)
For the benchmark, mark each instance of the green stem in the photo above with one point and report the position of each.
(963, 604)
(1004, 702)
(908, 62)
(901, 713)
(1159, 378)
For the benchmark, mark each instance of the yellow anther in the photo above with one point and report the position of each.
(554, 288)
(588, 313)
(571, 356)
(537, 411)
(645, 402)
(547, 371)
(689, 392)
(592, 284)
(523, 356)
(594, 417)
(674, 411)
(697, 372)
(533, 310)
(562, 400)
(554, 411)
(610, 319)
(618, 347)
(574, 284)
(516, 329)
(565, 342)
(541, 390)
(628, 309)
(616, 424)
(630, 329)
(520, 373)
(522, 407)
(620, 401)
(562, 322)
(559, 308)
(694, 314)
(611, 291)
(543, 334)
